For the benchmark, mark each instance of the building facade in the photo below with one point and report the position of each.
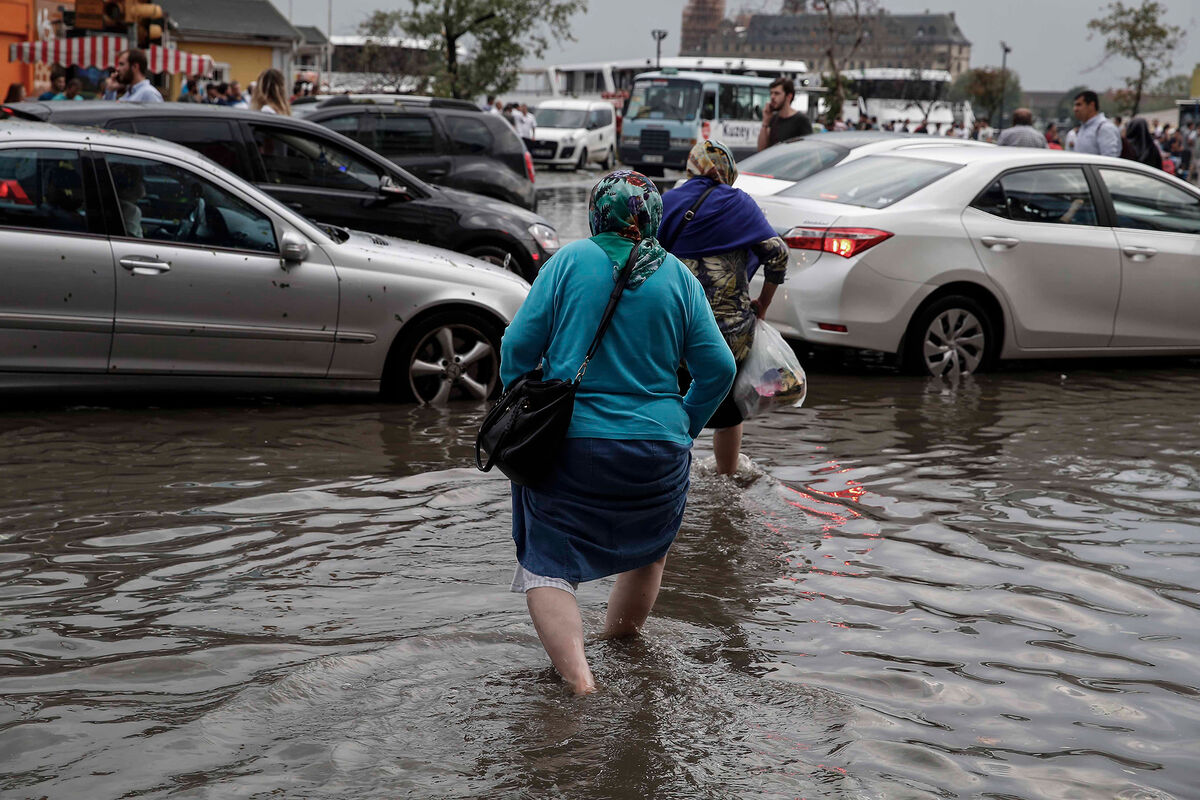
(244, 37)
(913, 41)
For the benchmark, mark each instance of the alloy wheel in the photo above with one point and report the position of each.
(453, 362)
(954, 342)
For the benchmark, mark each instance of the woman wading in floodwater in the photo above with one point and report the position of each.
(615, 498)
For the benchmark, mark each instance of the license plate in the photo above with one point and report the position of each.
(652, 159)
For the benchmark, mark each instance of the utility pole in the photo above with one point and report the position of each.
(659, 34)
(1004, 51)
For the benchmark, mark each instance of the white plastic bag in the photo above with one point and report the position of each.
(770, 375)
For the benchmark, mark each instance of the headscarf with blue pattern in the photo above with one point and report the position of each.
(624, 211)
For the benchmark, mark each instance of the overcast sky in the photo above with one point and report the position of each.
(1050, 49)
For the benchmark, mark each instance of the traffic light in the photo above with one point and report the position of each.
(149, 20)
(113, 15)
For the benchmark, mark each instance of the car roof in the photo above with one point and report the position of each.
(854, 139)
(1004, 156)
(21, 130)
(573, 105)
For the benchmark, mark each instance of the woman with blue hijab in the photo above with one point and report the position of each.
(615, 496)
(723, 245)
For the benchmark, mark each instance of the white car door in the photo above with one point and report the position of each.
(1158, 230)
(201, 287)
(1036, 232)
(56, 265)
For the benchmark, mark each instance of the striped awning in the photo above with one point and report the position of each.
(102, 52)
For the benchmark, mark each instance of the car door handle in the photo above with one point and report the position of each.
(999, 242)
(1137, 253)
(436, 173)
(295, 206)
(144, 266)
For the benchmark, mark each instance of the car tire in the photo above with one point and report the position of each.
(495, 254)
(451, 355)
(582, 162)
(610, 160)
(952, 335)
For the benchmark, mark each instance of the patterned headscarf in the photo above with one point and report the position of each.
(712, 159)
(628, 204)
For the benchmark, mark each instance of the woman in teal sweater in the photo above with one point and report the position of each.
(615, 498)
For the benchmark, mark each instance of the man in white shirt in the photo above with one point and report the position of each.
(525, 124)
(1096, 134)
(131, 71)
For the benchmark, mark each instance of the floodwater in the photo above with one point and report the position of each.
(981, 590)
(924, 590)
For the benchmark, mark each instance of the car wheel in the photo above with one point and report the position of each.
(953, 335)
(454, 355)
(610, 160)
(495, 254)
(583, 159)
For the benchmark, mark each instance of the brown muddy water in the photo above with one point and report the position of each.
(985, 590)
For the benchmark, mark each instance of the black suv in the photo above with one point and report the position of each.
(326, 177)
(443, 141)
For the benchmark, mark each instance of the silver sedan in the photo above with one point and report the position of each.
(953, 257)
(134, 263)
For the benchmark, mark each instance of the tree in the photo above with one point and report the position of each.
(1137, 33)
(1175, 86)
(846, 30)
(495, 35)
(984, 86)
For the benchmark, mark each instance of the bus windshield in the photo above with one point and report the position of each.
(664, 98)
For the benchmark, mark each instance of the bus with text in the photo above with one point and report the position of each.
(668, 112)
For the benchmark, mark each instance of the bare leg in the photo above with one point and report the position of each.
(727, 443)
(632, 598)
(555, 615)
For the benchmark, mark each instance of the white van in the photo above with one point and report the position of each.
(575, 132)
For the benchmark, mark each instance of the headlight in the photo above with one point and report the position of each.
(689, 143)
(545, 236)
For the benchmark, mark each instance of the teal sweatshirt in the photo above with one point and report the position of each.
(630, 390)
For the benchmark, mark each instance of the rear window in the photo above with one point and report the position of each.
(504, 139)
(871, 182)
(793, 161)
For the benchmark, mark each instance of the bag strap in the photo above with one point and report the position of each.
(689, 214)
(492, 455)
(609, 310)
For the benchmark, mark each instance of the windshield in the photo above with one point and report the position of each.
(793, 161)
(560, 117)
(664, 98)
(871, 182)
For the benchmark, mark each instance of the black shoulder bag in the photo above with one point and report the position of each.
(523, 432)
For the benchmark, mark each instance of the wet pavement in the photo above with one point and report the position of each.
(923, 590)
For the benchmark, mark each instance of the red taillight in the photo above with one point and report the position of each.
(844, 242)
(529, 166)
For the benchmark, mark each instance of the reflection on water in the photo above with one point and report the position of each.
(985, 590)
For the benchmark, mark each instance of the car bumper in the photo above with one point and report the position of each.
(873, 309)
(554, 153)
(637, 158)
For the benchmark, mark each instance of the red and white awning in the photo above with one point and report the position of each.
(102, 52)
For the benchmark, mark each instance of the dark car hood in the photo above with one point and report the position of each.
(478, 202)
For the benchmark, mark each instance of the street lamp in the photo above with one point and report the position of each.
(659, 34)
(1004, 51)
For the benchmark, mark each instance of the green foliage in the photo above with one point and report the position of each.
(1179, 86)
(498, 35)
(984, 87)
(1137, 32)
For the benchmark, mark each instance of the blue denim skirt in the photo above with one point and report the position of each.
(609, 506)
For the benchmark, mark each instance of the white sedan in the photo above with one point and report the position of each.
(953, 257)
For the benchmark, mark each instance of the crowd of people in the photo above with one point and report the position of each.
(129, 82)
(517, 115)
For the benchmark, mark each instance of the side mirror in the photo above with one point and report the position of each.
(389, 187)
(295, 248)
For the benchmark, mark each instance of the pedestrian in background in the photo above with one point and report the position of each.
(723, 244)
(131, 72)
(525, 123)
(1145, 149)
(780, 121)
(1052, 136)
(1096, 134)
(616, 494)
(270, 94)
(1022, 133)
(15, 94)
(58, 85)
(72, 91)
